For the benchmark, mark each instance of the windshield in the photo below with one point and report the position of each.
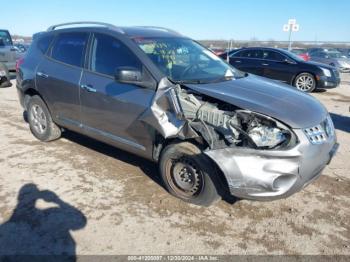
(5, 38)
(184, 60)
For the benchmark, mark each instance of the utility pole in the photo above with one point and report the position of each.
(292, 26)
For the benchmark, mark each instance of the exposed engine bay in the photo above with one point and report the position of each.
(221, 124)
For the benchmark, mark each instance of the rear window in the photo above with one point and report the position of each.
(69, 48)
(5, 38)
(44, 43)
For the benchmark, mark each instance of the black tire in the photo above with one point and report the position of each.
(185, 164)
(5, 83)
(310, 82)
(43, 129)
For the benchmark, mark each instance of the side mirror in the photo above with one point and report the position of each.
(129, 75)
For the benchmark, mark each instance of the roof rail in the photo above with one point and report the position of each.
(110, 26)
(161, 28)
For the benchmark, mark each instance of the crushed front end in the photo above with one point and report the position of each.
(261, 157)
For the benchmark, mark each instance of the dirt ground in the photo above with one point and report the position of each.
(79, 196)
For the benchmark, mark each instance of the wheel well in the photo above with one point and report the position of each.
(33, 92)
(303, 72)
(224, 188)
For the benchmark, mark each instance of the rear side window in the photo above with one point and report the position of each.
(256, 54)
(109, 53)
(5, 38)
(69, 48)
(44, 43)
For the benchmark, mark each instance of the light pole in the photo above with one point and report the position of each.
(292, 26)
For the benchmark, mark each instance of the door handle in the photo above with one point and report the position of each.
(41, 74)
(238, 61)
(88, 88)
(264, 64)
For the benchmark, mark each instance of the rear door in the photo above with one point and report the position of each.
(58, 77)
(276, 66)
(247, 61)
(110, 109)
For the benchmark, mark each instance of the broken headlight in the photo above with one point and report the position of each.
(265, 136)
(265, 132)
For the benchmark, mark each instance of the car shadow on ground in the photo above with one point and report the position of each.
(320, 90)
(341, 122)
(40, 234)
(148, 167)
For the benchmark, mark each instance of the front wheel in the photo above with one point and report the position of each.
(189, 175)
(305, 82)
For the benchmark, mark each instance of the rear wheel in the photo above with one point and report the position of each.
(189, 175)
(40, 121)
(305, 82)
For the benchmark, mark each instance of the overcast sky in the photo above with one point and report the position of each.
(321, 20)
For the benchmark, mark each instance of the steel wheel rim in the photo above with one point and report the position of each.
(38, 119)
(305, 83)
(184, 177)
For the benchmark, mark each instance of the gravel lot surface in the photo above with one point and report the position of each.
(79, 196)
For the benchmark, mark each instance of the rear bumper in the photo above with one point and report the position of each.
(20, 96)
(11, 66)
(273, 174)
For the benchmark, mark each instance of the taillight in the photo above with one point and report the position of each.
(19, 62)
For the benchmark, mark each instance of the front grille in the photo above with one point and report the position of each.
(320, 133)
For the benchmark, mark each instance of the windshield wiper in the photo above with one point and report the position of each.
(182, 82)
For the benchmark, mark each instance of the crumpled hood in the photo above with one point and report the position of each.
(268, 97)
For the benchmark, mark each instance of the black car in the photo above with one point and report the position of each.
(285, 66)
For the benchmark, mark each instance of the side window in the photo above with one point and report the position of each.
(243, 53)
(256, 54)
(44, 43)
(239, 54)
(272, 55)
(69, 48)
(108, 54)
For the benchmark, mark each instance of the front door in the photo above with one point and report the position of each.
(275, 66)
(110, 109)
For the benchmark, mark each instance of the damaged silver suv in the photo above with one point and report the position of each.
(160, 95)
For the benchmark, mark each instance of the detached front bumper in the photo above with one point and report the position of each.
(273, 174)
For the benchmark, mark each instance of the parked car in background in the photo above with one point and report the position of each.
(4, 76)
(217, 51)
(213, 130)
(228, 53)
(333, 58)
(302, 53)
(285, 66)
(344, 51)
(8, 54)
(22, 47)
